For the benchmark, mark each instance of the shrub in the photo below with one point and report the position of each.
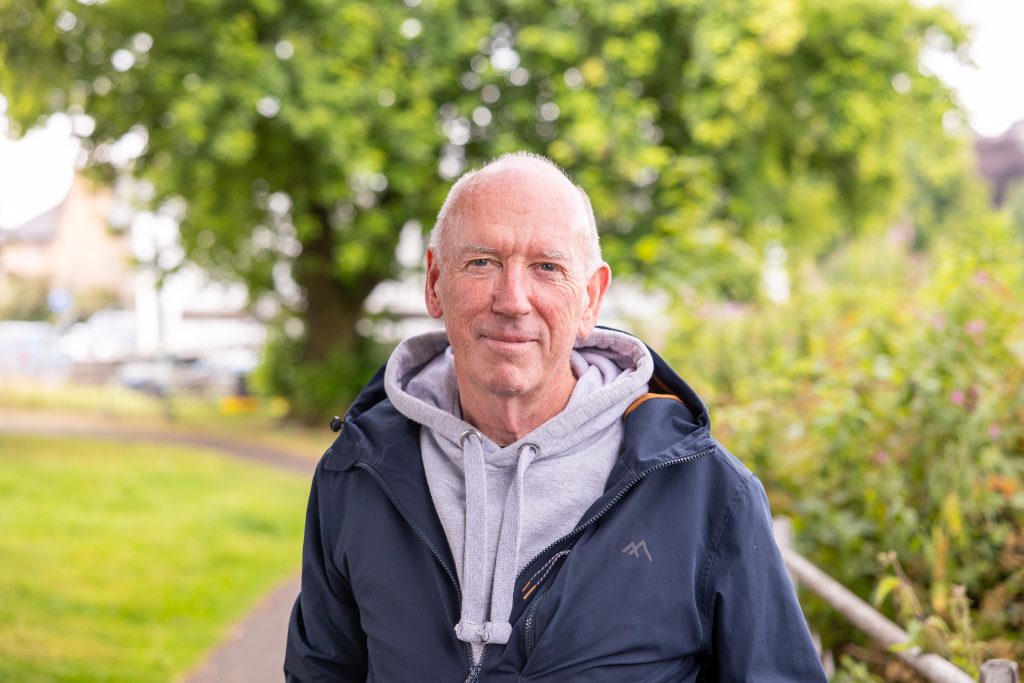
(883, 406)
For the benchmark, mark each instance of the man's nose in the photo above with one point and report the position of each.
(510, 293)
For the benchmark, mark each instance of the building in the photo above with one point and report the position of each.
(108, 317)
(1001, 160)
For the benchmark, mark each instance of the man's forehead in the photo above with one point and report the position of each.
(521, 193)
(488, 225)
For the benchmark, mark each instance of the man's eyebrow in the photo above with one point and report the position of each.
(547, 254)
(555, 255)
(470, 247)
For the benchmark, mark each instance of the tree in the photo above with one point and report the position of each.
(302, 135)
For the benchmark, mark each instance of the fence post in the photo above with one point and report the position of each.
(999, 671)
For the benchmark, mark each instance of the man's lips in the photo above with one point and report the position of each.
(506, 340)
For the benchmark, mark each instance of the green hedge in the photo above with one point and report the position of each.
(883, 406)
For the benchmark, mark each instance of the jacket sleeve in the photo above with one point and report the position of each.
(325, 639)
(757, 629)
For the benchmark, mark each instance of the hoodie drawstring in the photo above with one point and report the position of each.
(507, 559)
(471, 627)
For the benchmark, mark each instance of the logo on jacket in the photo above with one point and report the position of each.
(635, 548)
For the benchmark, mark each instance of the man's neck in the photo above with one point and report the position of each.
(505, 420)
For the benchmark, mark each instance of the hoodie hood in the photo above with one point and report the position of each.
(420, 381)
(500, 506)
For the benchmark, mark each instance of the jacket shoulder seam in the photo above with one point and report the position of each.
(648, 397)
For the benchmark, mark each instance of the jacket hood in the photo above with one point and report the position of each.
(610, 366)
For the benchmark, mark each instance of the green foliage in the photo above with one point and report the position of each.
(23, 299)
(852, 671)
(1015, 204)
(883, 406)
(128, 562)
(313, 385)
(303, 135)
(951, 635)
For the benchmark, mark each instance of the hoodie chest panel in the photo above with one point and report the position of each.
(555, 497)
(622, 606)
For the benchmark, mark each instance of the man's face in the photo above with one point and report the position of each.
(512, 288)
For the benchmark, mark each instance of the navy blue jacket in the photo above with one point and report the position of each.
(671, 575)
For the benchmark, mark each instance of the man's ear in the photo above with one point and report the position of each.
(433, 274)
(597, 286)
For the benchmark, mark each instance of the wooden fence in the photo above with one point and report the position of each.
(875, 624)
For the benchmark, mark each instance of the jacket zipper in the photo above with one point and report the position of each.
(618, 496)
(475, 668)
(528, 627)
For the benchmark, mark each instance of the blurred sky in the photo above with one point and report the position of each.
(990, 90)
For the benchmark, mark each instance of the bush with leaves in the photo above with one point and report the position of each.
(883, 406)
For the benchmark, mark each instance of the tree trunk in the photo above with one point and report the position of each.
(333, 360)
(332, 307)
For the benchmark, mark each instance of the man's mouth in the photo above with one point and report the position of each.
(506, 340)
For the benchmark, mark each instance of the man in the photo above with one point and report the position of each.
(527, 498)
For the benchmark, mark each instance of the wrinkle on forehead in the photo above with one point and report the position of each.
(547, 254)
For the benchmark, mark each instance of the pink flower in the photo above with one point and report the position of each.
(880, 457)
(939, 322)
(957, 397)
(975, 327)
(994, 431)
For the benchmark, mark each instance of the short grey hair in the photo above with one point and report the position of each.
(588, 229)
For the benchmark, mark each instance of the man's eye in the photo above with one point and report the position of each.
(548, 267)
(478, 262)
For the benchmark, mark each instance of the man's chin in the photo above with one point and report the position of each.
(506, 382)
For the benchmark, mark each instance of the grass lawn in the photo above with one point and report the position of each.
(129, 561)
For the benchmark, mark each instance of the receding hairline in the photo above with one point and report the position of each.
(586, 226)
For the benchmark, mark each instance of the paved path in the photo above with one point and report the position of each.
(253, 651)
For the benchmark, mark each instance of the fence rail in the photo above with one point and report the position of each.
(875, 624)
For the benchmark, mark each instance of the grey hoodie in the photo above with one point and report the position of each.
(501, 506)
